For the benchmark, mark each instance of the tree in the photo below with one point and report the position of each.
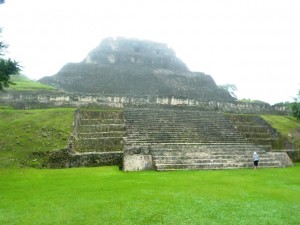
(295, 106)
(8, 67)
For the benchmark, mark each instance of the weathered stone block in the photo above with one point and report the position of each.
(137, 162)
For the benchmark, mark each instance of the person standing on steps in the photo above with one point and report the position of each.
(255, 160)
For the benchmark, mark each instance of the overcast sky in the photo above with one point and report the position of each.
(254, 44)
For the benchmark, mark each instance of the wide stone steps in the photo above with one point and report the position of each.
(166, 125)
(101, 128)
(251, 129)
(256, 135)
(107, 134)
(100, 121)
(99, 144)
(211, 166)
(208, 156)
(256, 130)
(179, 139)
(135, 134)
(149, 141)
(89, 114)
(100, 131)
(191, 118)
(212, 146)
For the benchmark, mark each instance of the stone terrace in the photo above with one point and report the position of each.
(180, 137)
(99, 131)
(258, 131)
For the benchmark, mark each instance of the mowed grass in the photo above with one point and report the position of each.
(22, 83)
(284, 124)
(287, 126)
(25, 131)
(106, 195)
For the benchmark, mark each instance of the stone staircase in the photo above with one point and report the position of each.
(209, 156)
(256, 130)
(179, 125)
(180, 138)
(100, 131)
(98, 138)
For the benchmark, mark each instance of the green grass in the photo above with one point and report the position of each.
(22, 83)
(109, 196)
(287, 126)
(25, 131)
(284, 124)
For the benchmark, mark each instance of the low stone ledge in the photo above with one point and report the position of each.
(65, 159)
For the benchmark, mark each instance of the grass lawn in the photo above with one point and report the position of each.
(106, 195)
(287, 126)
(22, 83)
(25, 131)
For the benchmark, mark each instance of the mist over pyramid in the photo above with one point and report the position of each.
(133, 67)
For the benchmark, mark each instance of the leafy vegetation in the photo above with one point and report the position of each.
(109, 196)
(23, 132)
(8, 67)
(295, 109)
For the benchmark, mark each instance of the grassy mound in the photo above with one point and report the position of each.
(23, 132)
(109, 196)
(288, 126)
(22, 83)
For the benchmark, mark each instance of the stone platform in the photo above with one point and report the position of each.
(181, 138)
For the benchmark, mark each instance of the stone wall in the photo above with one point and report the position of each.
(283, 158)
(66, 159)
(137, 162)
(34, 100)
(293, 154)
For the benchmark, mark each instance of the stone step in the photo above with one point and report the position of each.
(228, 165)
(184, 141)
(205, 154)
(193, 145)
(252, 129)
(209, 147)
(261, 141)
(101, 128)
(183, 127)
(99, 144)
(212, 160)
(185, 136)
(256, 134)
(202, 166)
(100, 138)
(210, 155)
(149, 142)
(101, 114)
(100, 121)
(102, 134)
(174, 119)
